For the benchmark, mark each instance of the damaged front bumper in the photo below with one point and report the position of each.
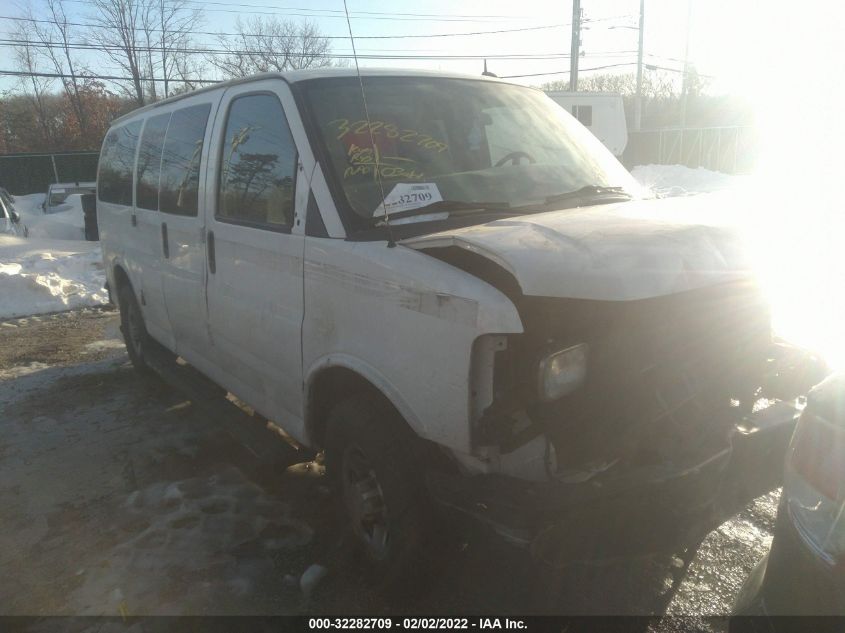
(636, 512)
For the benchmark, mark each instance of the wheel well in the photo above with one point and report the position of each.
(120, 279)
(330, 387)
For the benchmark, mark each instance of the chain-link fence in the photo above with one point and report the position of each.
(732, 150)
(32, 173)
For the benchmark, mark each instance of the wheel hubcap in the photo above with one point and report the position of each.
(364, 501)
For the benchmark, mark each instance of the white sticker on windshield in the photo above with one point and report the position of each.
(406, 196)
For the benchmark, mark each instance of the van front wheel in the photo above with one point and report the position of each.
(134, 331)
(373, 458)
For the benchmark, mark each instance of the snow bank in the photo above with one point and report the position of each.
(43, 275)
(680, 180)
(66, 224)
(54, 268)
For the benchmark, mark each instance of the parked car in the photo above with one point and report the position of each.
(460, 296)
(804, 572)
(57, 193)
(5, 196)
(10, 220)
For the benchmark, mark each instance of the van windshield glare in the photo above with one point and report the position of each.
(457, 140)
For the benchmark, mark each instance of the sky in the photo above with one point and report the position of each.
(734, 42)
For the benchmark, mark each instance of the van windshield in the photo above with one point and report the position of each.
(460, 141)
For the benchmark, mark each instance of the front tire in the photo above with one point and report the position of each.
(374, 460)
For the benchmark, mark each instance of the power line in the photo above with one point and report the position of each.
(326, 37)
(647, 66)
(566, 72)
(92, 46)
(363, 15)
(17, 73)
(575, 44)
(20, 73)
(11, 38)
(675, 70)
(337, 13)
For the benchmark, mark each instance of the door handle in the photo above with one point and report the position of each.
(165, 247)
(212, 263)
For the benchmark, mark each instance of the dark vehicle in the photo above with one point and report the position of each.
(804, 572)
(10, 220)
(89, 210)
(5, 196)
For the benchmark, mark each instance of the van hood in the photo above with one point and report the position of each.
(614, 252)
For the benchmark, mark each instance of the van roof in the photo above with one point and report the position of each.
(295, 76)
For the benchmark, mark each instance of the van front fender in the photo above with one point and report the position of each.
(363, 372)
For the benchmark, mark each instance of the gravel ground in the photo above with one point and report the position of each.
(130, 495)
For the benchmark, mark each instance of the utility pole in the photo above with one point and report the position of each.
(163, 55)
(575, 48)
(685, 83)
(638, 104)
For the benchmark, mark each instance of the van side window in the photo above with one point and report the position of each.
(149, 162)
(117, 160)
(258, 164)
(180, 162)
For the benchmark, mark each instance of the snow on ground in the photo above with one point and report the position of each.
(41, 275)
(680, 180)
(54, 268)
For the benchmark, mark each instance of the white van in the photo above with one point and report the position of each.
(456, 292)
(603, 113)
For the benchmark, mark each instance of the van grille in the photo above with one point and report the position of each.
(667, 377)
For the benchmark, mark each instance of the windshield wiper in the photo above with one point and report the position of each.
(454, 207)
(588, 192)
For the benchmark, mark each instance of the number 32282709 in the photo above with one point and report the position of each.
(390, 130)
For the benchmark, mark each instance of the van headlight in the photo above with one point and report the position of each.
(562, 372)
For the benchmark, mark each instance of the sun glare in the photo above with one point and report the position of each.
(796, 202)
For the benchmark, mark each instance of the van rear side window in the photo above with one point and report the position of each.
(149, 162)
(180, 163)
(117, 160)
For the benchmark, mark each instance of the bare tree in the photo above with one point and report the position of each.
(54, 37)
(186, 69)
(36, 88)
(117, 29)
(656, 84)
(147, 39)
(176, 20)
(272, 44)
